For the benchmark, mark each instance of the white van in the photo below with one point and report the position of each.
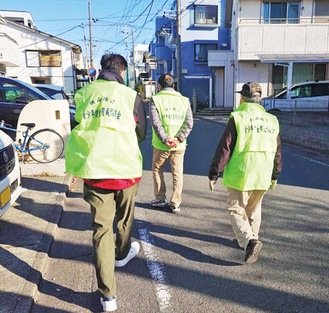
(308, 96)
(10, 174)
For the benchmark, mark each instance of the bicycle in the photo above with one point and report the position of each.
(43, 146)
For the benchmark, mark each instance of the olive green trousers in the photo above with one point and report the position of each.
(107, 207)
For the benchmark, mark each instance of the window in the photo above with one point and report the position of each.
(321, 11)
(301, 91)
(12, 93)
(206, 15)
(45, 58)
(281, 12)
(201, 51)
(302, 72)
(319, 90)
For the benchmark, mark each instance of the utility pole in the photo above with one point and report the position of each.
(85, 42)
(91, 63)
(178, 48)
(133, 48)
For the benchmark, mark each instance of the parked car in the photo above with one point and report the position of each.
(10, 174)
(307, 96)
(15, 94)
(53, 91)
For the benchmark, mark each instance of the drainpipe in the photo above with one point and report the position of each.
(210, 91)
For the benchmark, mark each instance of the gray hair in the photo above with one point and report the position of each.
(255, 98)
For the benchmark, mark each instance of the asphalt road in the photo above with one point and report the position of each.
(189, 262)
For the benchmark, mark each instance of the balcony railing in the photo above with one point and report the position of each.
(271, 21)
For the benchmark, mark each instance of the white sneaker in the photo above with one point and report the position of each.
(109, 304)
(134, 249)
(175, 209)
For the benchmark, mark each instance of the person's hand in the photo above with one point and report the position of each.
(212, 184)
(273, 184)
(172, 143)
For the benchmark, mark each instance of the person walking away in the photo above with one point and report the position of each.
(103, 149)
(172, 121)
(248, 157)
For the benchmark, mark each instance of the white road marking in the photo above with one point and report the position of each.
(156, 268)
(306, 158)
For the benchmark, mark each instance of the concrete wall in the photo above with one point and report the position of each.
(52, 114)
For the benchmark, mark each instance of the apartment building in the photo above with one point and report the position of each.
(34, 56)
(276, 43)
(182, 48)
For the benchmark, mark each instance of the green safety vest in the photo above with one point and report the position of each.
(172, 107)
(104, 144)
(251, 164)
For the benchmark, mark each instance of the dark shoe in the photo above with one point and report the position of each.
(159, 203)
(252, 251)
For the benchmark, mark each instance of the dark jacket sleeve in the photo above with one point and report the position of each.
(277, 167)
(140, 118)
(224, 151)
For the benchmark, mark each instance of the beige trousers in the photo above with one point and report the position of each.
(176, 159)
(245, 208)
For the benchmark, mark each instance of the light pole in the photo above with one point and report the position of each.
(178, 48)
(85, 42)
(133, 53)
(132, 58)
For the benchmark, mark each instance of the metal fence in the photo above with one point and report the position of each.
(296, 104)
(306, 129)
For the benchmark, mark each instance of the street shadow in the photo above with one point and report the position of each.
(22, 269)
(184, 251)
(46, 184)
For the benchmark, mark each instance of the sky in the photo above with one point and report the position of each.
(117, 25)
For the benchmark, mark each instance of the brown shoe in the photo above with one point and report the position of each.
(252, 251)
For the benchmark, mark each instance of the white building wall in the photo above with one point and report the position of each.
(281, 39)
(252, 39)
(187, 20)
(62, 75)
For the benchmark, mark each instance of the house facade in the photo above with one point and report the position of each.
(34, 56)
(183, 41)
(275, 43)
(224, 44)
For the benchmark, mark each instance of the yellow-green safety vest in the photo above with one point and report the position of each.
(251, 164)
(172, 108)
(104, 145)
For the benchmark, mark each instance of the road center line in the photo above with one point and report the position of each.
(156, 268)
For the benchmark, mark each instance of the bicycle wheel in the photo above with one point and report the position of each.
(45, 146)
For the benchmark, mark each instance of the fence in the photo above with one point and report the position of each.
(306, 129)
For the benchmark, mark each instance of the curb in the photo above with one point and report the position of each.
(41, 259)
